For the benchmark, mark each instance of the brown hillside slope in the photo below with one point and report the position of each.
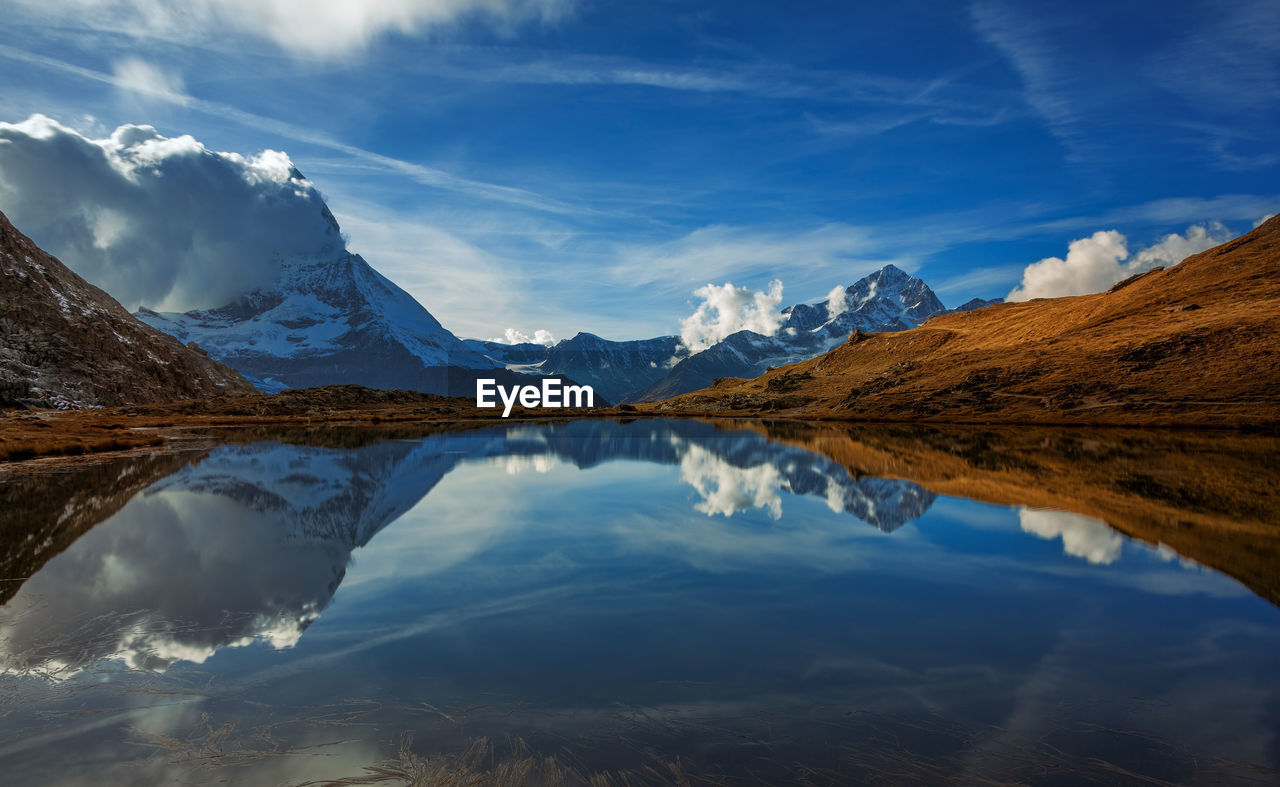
(65, 343)
(1195, 345)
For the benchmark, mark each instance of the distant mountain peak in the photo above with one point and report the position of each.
(886, 300)
(891, 272)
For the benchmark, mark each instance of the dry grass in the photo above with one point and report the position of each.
(480, 764)
(1196, 345)
(33, 434)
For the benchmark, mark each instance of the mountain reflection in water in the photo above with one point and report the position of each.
(251, 542)
(775, 529)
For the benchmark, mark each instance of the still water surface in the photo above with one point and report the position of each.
(648, 601)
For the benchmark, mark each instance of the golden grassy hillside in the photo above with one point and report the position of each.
(1194, 345)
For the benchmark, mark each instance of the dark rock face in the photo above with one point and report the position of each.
(65, 343)
(614, 369)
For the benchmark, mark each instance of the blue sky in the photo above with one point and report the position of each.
(566, 166)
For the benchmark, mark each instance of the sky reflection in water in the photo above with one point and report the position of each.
(611, 593)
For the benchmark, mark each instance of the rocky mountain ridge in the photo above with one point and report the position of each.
(68, 344)
(654, 369)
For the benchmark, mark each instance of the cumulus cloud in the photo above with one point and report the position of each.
(512, 336)
(157, 221)
(726, 309)
(1174, 248)
(837, 300)
(1082, 536)
(1092, 264)
(310, 28)
(726, 489)
(1095, 263)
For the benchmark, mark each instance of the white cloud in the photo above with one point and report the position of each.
(1174, 248)
(726, 309)
(517, 464)
(1095, 263)
(427, 176)
(149, 81)
(159, 221)
(726, 489)
(1092, 264)
(837, 300)
(1082, 536)
(1263, 220)
(307, 28)
(512, 336)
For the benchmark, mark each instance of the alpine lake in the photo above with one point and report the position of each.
(605, 602)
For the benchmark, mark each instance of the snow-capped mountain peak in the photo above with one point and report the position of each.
(326, 319)
(887, 300)
(889, 292)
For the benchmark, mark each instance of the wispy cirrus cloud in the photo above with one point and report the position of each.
(425, 175)
(142, 78)
(722, 251)
(468, 286)
(1213, 76)
(945, 98)
(1030, 44)
(304, 28)
(1175, 210)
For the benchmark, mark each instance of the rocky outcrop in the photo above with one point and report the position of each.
(67, 344)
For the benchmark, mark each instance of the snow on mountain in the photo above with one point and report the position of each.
(613, 369)
(329, 320)
(650, 369)
(509, 355)
(885, 301)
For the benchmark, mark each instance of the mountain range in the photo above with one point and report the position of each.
(337, 320)
(658, 368)
(331, 318)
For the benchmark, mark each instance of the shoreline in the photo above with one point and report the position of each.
(44, 434)
(1209, 495)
